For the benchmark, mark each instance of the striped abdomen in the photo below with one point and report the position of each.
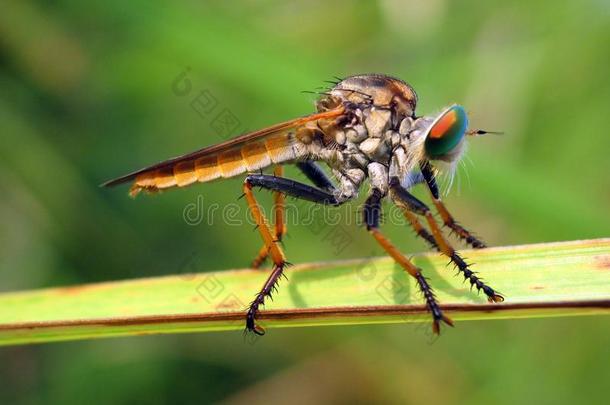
(250, 152)
(247, 158)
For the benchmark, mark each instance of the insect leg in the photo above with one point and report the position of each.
(411, 206)
(268, 288)
(316, 175)
(285, 187)
(448, 220)
(419, 229)
(293, 189)
(412, 180)
(372, 208)
(279, 209)
(260, 258)
(275, 251)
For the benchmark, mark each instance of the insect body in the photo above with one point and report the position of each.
(365, 127)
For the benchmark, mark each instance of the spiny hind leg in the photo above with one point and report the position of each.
(279, 221)
(317, 176)
(412, 207)
(285, 187)
(372, 212)
(428, 173)
(275, 251)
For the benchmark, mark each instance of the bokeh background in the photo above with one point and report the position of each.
(87, 94)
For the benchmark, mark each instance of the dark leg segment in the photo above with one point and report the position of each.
(292, 188)
(268, 288)
(448, 220)
(411, 206)
(372, 209)
(316, 175)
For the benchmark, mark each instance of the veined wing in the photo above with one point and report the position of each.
(249, 152)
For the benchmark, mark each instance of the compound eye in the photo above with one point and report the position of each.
(446, 131)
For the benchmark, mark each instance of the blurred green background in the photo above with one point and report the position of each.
(86, 95)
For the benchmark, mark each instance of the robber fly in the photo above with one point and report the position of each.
(365, 127)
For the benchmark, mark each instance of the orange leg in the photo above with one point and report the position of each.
(419, 228)
(371, 218)
(271, 243)
(279, 207)
(460, 231)
(430, 179)
(275, 252)
(411, 207)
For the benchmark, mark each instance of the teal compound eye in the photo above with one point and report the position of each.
(446, 132)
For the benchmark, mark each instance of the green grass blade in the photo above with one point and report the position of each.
(553, 279)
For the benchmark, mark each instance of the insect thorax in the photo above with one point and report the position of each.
(379, 137)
